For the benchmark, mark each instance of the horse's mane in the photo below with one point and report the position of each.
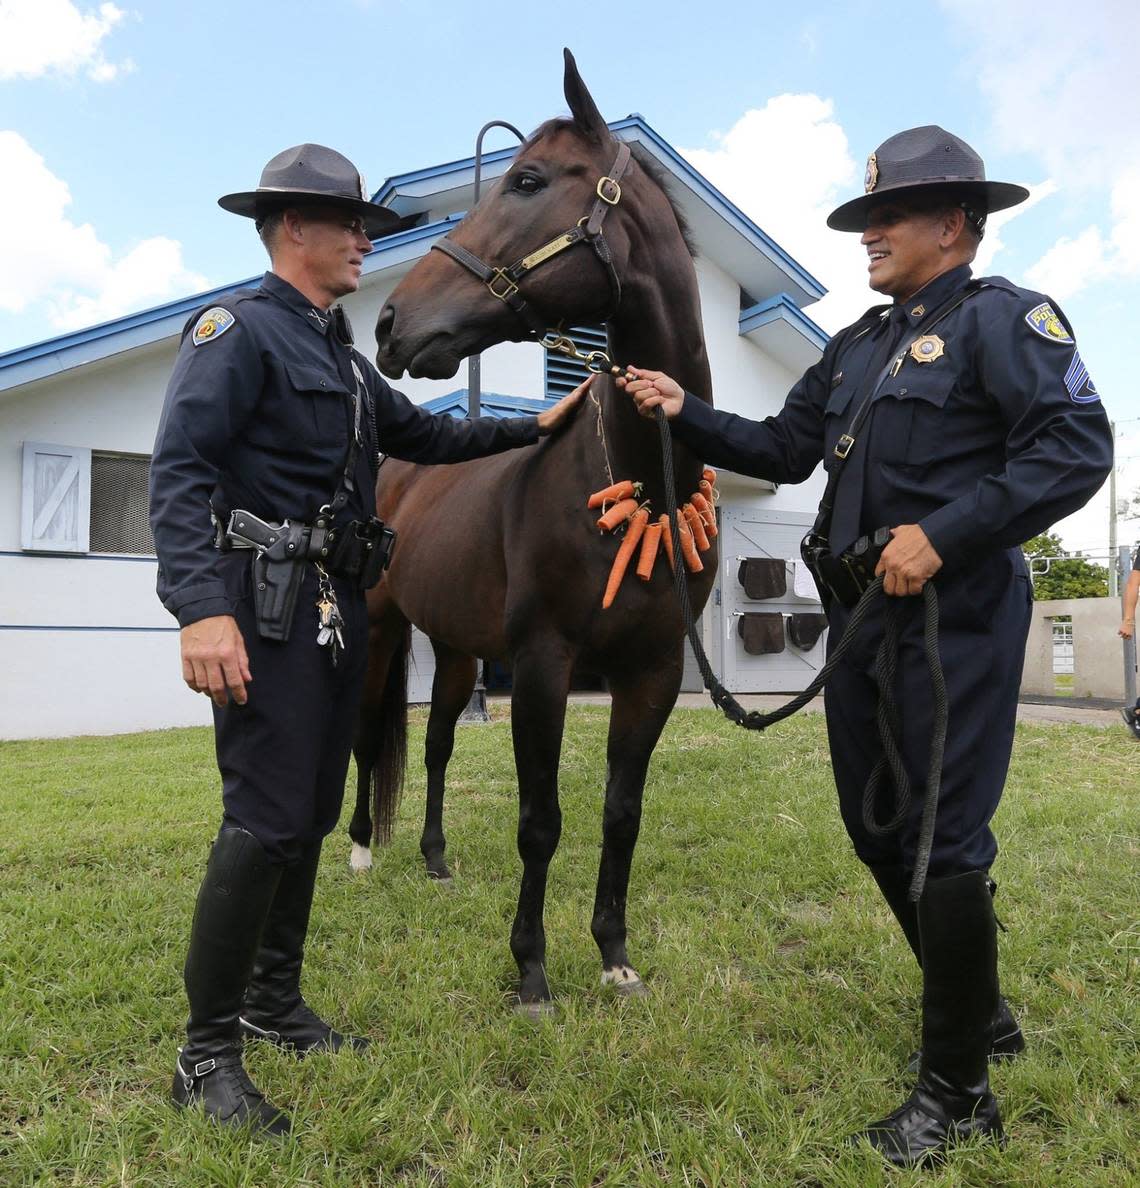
(652, 167)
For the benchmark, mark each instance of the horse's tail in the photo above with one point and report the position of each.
(392, 754)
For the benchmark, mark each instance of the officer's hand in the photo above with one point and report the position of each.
(908, 562)
(1127, 629)
(553, 419)
(651, 389)
(214, 660)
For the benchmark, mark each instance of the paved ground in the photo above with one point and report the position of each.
(1098, 713)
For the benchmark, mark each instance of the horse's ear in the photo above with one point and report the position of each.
(581, 103)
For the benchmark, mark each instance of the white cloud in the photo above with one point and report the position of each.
(1060, 82)
(1091, 257)
(47, 260)
(38, 37)
(787, 166)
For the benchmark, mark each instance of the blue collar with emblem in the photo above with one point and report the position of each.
(934, 292)
(319, 319)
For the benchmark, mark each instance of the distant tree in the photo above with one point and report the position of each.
(1070, 577)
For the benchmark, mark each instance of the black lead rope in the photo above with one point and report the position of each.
(886, 667)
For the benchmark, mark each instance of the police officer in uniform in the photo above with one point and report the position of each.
(261, 498)
(961, 419)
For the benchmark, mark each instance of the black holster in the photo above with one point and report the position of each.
(843, 579)
(362, 551)
(277, 576)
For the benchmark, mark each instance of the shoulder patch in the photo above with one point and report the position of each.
(1043, 320)
(212, 324)
(1079, 383)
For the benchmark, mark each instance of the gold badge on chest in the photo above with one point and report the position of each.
(926, 348)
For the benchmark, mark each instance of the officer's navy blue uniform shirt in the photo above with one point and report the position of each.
(258, 416)
(983, 447)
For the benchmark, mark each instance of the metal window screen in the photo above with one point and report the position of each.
(563, 375)
(119, 504)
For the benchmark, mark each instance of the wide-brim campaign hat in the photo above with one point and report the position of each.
(310, 174)
(918, 160)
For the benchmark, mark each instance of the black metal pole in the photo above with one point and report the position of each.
(476, 710)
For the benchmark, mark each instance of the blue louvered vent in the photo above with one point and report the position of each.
(564, 374)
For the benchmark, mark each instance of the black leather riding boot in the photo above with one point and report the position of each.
(232, 905)
(1006, 1040)
(952, 1100)
(274, 1009)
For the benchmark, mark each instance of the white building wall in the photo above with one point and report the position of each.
(87, 647)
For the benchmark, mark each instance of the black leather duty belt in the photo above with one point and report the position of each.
(360, 550)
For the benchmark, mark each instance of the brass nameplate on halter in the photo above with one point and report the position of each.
(547, 250)
(927, 348)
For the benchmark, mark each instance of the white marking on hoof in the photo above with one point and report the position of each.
(625, 980)
(534, 1011)
(361, 858)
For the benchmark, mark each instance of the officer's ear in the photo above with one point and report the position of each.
(951, 226)
(292, 227)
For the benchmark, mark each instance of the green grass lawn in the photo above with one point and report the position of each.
(783, 999)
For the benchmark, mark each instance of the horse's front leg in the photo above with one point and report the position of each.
(538, 715)
(640, 709)
(450, 692)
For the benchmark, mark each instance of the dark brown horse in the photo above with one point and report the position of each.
(499, 558)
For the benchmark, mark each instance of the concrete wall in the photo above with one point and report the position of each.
(1098, 667)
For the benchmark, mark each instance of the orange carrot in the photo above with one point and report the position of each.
(705, 511)
(667, 540)
(650, 539)
(700, 536)
(623, 490)
(618, 514)
(707, 490)
(632, 535)
(709, 475)
(688, 547)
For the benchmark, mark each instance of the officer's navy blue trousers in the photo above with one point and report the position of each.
(985, 614)
(283, 756)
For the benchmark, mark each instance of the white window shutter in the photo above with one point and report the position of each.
(55, 507)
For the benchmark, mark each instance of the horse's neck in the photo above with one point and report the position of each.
(663, 332)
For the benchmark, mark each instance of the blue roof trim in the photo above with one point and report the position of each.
(162, 321)
(728, 209)
(696, 181)
(391, 184)
(491, 404)
(782, 308)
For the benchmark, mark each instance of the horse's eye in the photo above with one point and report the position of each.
(526, 183)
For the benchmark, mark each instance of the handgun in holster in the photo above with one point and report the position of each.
(278, 566)
(846, 577)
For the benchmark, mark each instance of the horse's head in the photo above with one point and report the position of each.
(443, 310)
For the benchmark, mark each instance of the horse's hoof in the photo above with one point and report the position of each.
(625, 981)
(361, 858)
(439, 874)
(535, 1011)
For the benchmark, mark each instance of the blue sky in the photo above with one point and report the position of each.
(120, 124)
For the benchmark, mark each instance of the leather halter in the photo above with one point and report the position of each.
(503, 282)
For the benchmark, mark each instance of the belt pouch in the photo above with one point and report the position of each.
(348, 553)
(381, 543)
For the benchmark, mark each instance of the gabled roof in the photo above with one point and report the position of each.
(784, 331)
(442, 195)
(491, 404)
(53, 355)
(724, 233)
